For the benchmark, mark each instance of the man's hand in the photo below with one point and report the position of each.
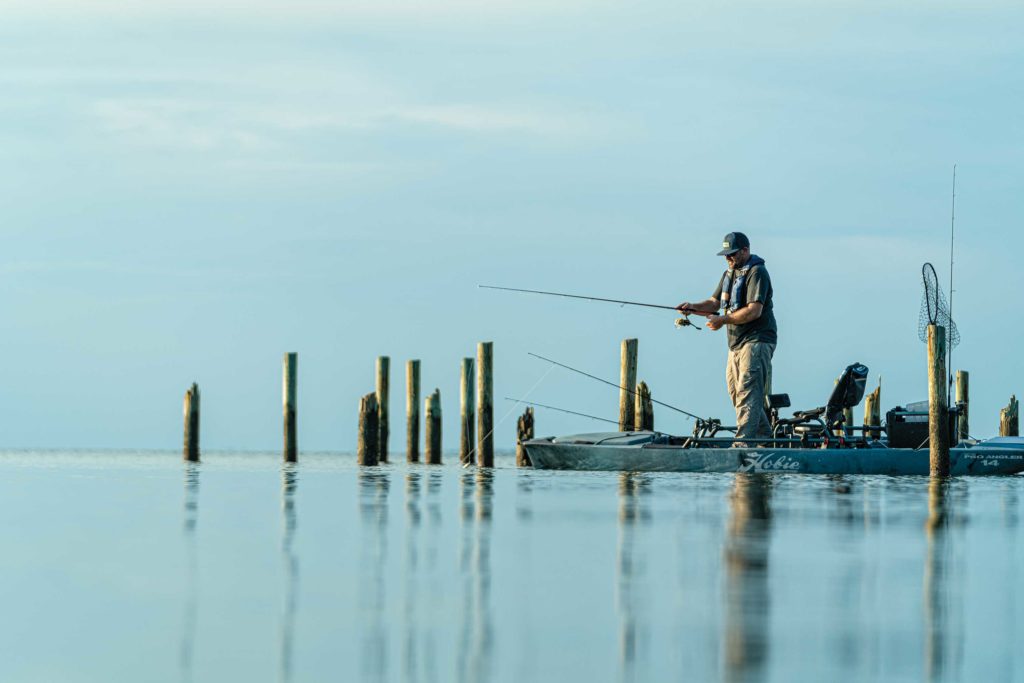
(715, 322)
(701, 308)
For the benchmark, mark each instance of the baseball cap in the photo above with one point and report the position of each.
(732, 243)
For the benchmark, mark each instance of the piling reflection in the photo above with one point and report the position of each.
(434, 478)
(524, 498)
(289, 482)
(410, 640)
(630, 570)
(746, 579)
(422, 581)
(476, 633)
(374, 484)
(191, 519)
(942, 643)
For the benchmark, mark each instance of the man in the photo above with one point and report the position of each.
(744, 293)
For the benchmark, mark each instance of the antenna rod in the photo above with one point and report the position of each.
(561, 410)
(595, 298)
(952, 233)
(613, 384)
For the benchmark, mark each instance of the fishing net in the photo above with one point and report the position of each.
(934, 309)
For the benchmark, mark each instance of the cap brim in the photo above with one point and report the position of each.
(727, 252)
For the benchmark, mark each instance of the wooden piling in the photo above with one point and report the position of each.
(938, 413)
(412, 411)
(191, 450)
(627, 384)
(383, 392)
(868, 403)
(485, 408)
(432, 421)
(1008, 425)
(963, 428)
(847, 421)
(367, 451)
(873, 414)
(291, 365)
(643, 409)
(524, 432)
(467, 411)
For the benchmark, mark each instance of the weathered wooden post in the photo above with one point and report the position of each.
(872, 414)
(643, 409)
(367, 452)
(524, 432)
(383, 391)
(938, 413)
(848, 421)
(432, 420)
(467, 410)
(191, 451)
(627, 384)
(1008, 419)
(412, 411)
(291, 366)
(485, 409)
(963, 428)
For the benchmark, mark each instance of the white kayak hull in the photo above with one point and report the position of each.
(651, 452)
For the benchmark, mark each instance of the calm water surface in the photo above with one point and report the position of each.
(133, 566)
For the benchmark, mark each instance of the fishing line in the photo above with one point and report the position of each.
(617, 386)
(562, 410)
(471, 455)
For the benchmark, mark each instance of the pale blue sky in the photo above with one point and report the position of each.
(190, 192)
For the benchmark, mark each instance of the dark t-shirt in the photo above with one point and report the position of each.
(758, 290)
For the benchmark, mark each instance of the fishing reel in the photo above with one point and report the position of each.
(706, 429)
(686, 322)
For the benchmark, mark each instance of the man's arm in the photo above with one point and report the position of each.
(747, 314)
(709, 305)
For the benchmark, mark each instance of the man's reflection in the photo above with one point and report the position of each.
(746, 578)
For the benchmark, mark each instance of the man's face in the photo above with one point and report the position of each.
(739, 258)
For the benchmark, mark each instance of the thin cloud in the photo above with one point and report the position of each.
(477, 118)
(174, 123)
(200, 125)
(304, 9)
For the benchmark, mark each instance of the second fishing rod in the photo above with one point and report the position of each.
(617, 386)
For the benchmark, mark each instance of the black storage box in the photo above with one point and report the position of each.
(909, 428)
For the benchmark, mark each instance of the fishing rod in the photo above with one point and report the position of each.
(562, 410)
(617, 386)
(952, 226)
(687, 311)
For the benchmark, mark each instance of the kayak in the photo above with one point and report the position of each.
(648, 451)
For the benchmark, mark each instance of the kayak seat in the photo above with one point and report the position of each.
(809, 429)
(847, 393)
(808, 414)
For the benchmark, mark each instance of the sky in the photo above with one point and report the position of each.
(192, 189)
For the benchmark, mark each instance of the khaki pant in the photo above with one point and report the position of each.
(748, 374)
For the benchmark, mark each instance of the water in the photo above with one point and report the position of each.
(134, 566)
